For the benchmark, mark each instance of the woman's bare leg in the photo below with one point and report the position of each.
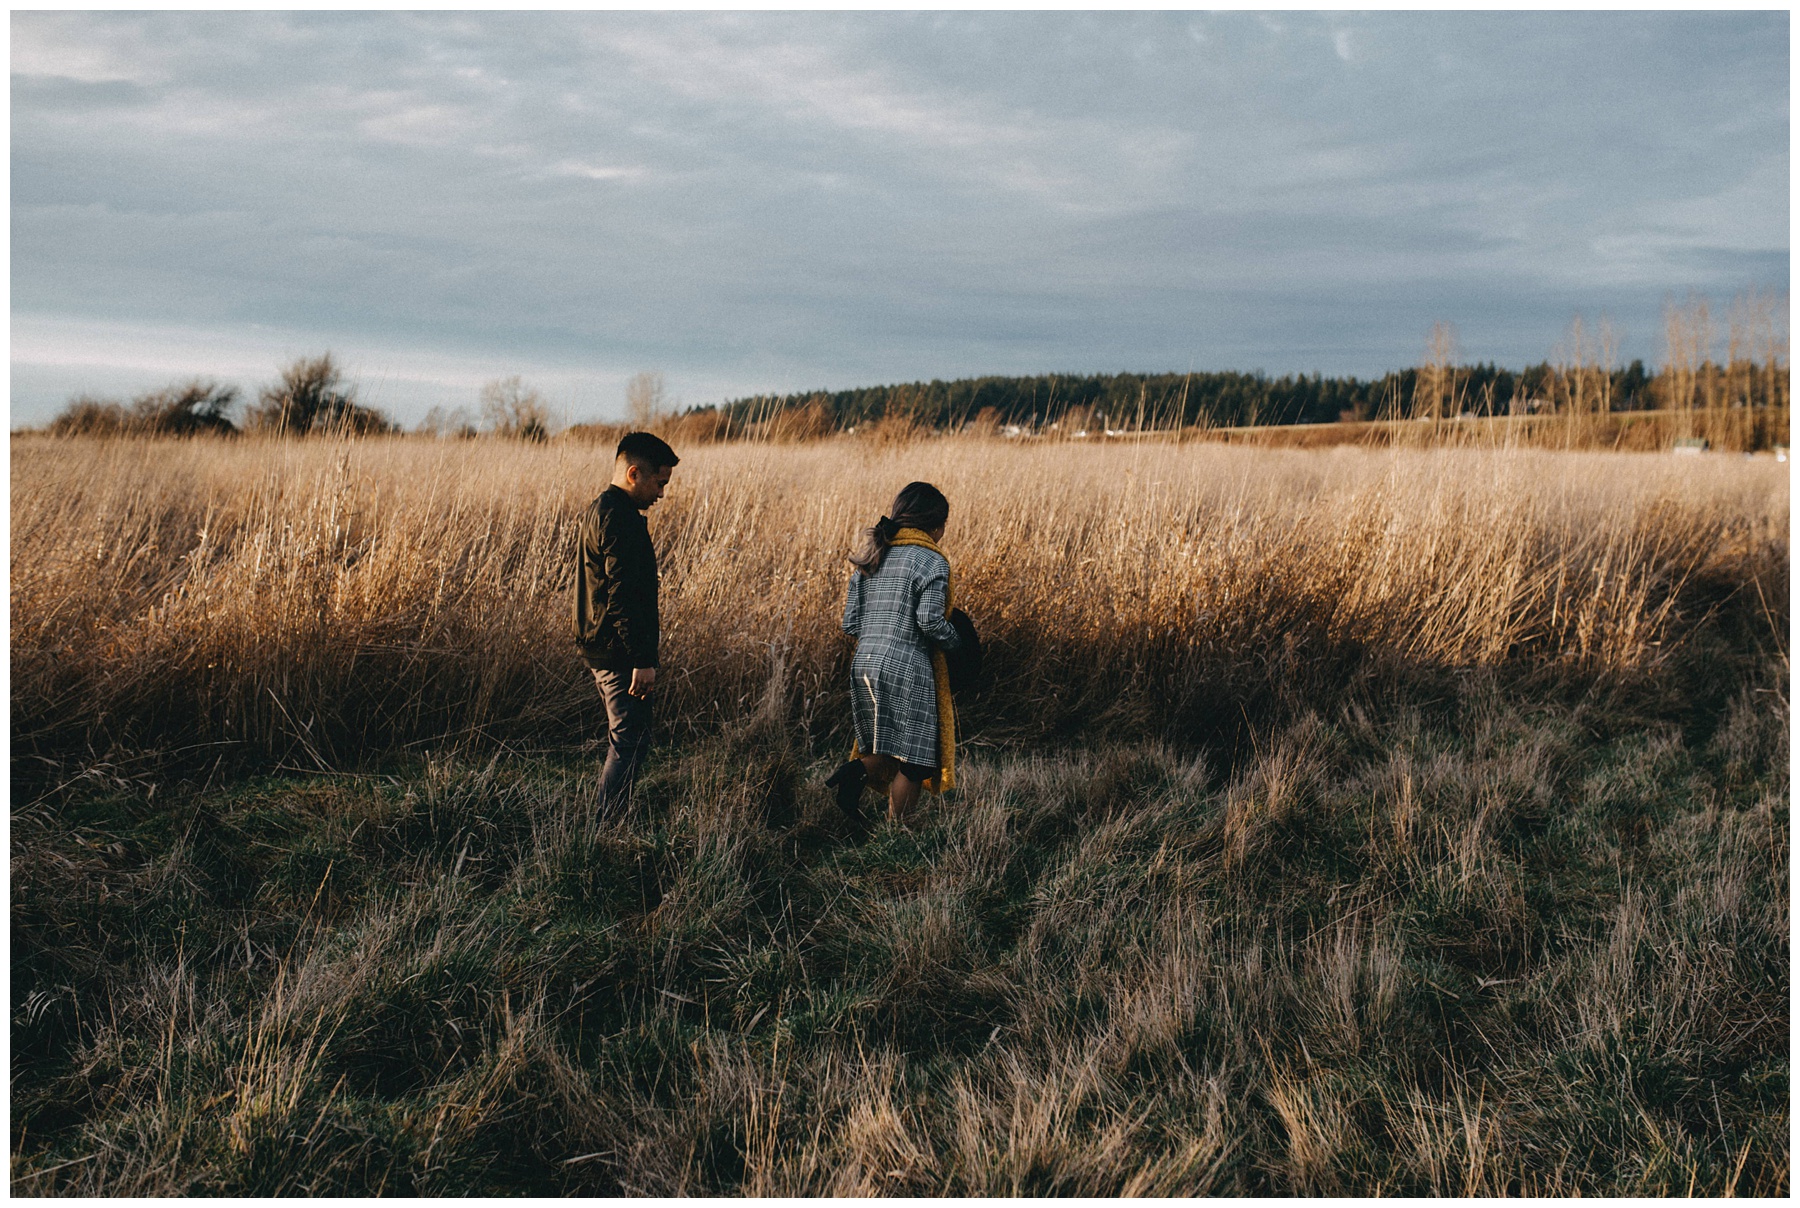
(903, 790)
(903, 795)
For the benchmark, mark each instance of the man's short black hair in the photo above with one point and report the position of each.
(647, 451)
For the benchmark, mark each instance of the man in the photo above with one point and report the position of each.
(616, 623)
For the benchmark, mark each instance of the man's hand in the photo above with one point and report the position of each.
(642, 680)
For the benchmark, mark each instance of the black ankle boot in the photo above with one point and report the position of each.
(848, 781)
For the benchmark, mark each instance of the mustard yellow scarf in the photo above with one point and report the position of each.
(940, 674)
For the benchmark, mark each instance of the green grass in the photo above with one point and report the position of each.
(1487, 943)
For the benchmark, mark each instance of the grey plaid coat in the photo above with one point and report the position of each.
(896, 615)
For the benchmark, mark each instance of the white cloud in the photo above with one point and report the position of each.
(1077, 164)
(571, 167)
(420, 125)
(1735, 214)
(807, 82)
(63, 46)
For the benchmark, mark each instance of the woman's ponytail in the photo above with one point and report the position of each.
(919, 505)
(872, 546)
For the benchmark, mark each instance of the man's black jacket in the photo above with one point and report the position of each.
(616, 624)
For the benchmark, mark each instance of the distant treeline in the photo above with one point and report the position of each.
(1746, 371)
(1743, 379)
(1160, 400)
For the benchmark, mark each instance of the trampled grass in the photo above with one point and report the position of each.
(1360, 822)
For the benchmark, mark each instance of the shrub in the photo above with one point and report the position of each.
(311, 398)
(89, 416)
(187, 410)
(190, 409)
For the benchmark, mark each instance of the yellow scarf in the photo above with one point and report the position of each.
(940, 674)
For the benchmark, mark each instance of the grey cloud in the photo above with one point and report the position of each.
(768, 200)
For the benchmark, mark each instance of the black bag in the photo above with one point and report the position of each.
(963, 663)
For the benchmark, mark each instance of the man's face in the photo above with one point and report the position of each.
(646, 486)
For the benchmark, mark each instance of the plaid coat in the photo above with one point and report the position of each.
(896, 615)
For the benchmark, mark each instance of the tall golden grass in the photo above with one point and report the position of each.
(1724, 429)
(316, 600)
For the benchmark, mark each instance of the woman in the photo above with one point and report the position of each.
(897, 610)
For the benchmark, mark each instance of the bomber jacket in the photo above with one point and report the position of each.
(616, 623)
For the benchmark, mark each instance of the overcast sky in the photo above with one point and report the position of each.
(755, 202)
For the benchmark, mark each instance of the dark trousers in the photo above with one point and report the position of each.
(627, 738)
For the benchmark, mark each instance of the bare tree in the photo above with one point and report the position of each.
(1687, 352)
(312, 397)
(455, 421)
(1571, 368)
(1606, 351)
(1756, 362)
(1775, 350)
(1436, 394)
(511, 408)
(646, 399)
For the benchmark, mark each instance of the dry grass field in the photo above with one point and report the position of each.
(1335, 821)
(310, 601)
